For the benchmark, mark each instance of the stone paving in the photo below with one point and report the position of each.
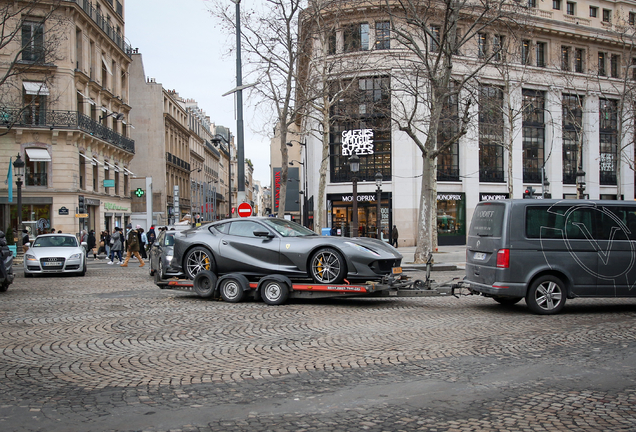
(111, 351)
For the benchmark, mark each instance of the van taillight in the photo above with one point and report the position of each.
(503, 258)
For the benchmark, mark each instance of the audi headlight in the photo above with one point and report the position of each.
(75, 256)
(362, 248)
(30, 257)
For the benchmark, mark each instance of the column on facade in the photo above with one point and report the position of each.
(469, 161)
(591, 146)
(516, 99)
(627, 155)
(554, 142)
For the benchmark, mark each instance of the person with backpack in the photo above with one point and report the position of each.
(132, 247)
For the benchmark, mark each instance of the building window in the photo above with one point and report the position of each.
(601, 64)
(579, 60)
(607, 15)
(498, 47)
(633, 68)
(491, 134)
(614, 62)
(525, 52)
(632, 18)
(32, 41)
(356, 37)
(95, 178)
(541, 51)
(482, 39)
(572, 136)
(532, 3)
(570, 8)
(556, 4)
(448, 158)
(363, 113)
(36, 167)
(593, 11)
(565, 58)
(435, 38)
(608, 134)
(533, 135)
(331, 42)
(106, 177)
(126, 186)
(116, 181)
(82, 172)
(382, 35)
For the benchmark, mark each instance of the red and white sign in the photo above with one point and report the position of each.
(245, 210)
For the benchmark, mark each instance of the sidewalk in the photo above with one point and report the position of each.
(446, 258)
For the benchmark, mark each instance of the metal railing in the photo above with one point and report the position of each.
(11, 117)
(494, 176)
(99, 19)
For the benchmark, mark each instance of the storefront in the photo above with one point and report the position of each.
(451, 219)
(486, 196)
(115, 215)
(341, 211)
(36, 215)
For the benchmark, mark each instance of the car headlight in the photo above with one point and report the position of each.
(169, 258)
(362, 248)
(75, 256)
(30, 257)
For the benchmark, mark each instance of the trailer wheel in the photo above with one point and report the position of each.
(204, 283)
(231, 290)
(507, 301)
(327, 266)
(546, 296)
(419, 284)
(274, 292)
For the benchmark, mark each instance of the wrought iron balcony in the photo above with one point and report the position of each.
(10, 117)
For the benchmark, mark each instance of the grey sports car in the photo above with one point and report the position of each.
(259, 246)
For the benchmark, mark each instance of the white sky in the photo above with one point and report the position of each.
(183, 49)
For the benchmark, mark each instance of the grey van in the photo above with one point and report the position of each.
(547, 251)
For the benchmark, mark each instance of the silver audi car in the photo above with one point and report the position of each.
(55, 253)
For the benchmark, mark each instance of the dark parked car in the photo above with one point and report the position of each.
(161, 254)
(261, 246)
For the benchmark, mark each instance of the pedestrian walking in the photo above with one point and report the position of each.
(25, 240)
(151, 236)
(103, 243)
(132, 243)
(91, 244)
(394, 236)
(116, 245)
(143, 241)
(83, 236)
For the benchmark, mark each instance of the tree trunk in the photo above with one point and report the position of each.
(320, 218)
(427, 212)
(283, 173)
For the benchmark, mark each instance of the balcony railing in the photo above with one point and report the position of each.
(531, 175)
(10, 117)
(608, 178)
(99, 19)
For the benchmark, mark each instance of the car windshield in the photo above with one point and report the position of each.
(55, 241)
(287, 228)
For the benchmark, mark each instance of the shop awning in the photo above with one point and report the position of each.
(35, 88)
(96, 162)
(89, 100)
(106, 65)
(127, 172)
(38, 155)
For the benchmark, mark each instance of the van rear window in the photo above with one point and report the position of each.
(487, 220)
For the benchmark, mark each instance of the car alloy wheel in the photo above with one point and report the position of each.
(327, 266)
(197, 260)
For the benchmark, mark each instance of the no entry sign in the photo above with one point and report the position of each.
(245, 210)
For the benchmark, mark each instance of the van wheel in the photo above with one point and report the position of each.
(507, 301)
(546, 296)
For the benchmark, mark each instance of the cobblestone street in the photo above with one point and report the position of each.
(111, 351)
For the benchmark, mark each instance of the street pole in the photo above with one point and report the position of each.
(239, 110)
(354, 165)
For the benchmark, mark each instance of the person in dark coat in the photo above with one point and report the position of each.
(132, 247)
(25, 240)
(394, 236)
(91, 245)
(116, 246)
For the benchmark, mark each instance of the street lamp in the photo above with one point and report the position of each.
(18, 167)
(354, 165)
(216, 140)
(378, 193)
(580, 183)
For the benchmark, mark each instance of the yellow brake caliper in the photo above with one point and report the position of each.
(320, 267)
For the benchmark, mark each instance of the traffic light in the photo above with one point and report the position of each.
(528, 193)
(82, 204)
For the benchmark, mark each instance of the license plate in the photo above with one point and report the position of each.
(396, 270)
(479, 256)
(52, 264)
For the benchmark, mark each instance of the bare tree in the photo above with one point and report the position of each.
(30, 40)
(434, 33)
(270, 40)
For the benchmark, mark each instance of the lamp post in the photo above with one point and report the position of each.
(580, 183)
(18, 167)
(354, 165)
(378, 198)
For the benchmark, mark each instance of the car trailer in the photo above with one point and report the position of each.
(277, 289)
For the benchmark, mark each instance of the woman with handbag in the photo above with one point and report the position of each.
(116, 245)
(91, 244)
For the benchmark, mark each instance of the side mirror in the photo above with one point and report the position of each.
(263, 234)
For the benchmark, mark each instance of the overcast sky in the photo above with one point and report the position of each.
(183, 49)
